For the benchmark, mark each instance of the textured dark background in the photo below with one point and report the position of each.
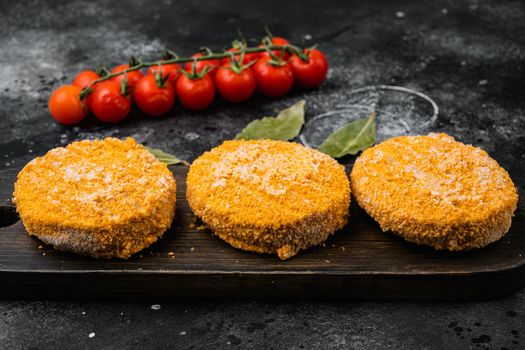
(468, 55)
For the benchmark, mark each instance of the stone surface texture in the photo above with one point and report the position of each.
(467, 55)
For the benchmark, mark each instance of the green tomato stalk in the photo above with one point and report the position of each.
(136, 64)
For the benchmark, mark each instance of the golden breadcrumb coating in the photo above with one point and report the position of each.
(103, 198)
(269, 196)
(436, 191)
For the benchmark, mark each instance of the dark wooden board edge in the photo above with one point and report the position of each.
(132, 285)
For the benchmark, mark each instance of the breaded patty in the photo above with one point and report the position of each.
(436, 191)
(103, 198)
(269, 196)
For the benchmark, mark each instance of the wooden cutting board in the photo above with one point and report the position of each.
(359, 262)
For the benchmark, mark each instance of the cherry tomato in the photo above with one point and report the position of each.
(108, 104)
(277, 41)
(201, 64)
(312, 73)
(133, 76)
(65, 105)
(195, 94)
(152, 99)
(173, 69)
(273, 81)
(233, 86)
(248, 57)
(85, 78)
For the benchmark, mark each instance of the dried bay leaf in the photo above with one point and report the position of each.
(164, 157)
(286, 126)
(351, 138)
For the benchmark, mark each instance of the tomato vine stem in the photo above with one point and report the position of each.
(211, 55)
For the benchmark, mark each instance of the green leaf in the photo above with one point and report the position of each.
(168, 159)
(286, 126)
(351, 138)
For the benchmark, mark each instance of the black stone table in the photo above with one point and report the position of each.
(467, 55)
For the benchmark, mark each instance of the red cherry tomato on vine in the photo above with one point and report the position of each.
(312, 73)
(277, 41)
(108, 104)
(152, 99)
(85, 78)
(195, 94)
(273, 81)
(133, 76)
(233, 86)
(248, 57)
(65, 105)
(212, 64)
(173, 69)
